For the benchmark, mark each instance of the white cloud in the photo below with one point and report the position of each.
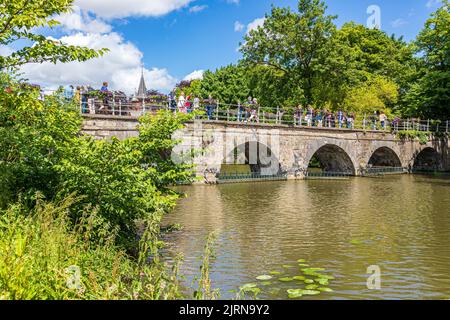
(120, 67)
(5, 51)
(433, 3)
(110, 9)
(399, 23)
(197, 74)
(238, 27)
(79, 20)
(255, 24)
(233, 1)
(196, 9)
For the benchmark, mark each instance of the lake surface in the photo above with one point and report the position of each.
(399, 223)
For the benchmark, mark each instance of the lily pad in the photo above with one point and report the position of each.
(248, 286)
(303, 265)
(325, 276)
(325, 289)
(275, 272)
(266, 283)
(293, 291)
(286, 279)
(322, 281)
(301, 260)
(309, 281)
(264, 277)
(301, 278)
(355, 241)
(310, 292)
(288, 266)
(311, 287)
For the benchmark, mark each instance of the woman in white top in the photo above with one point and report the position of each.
(182, 103)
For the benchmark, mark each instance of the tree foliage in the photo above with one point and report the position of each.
(429, 95)
(19, 20)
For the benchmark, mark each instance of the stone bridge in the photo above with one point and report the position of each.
(271, 149)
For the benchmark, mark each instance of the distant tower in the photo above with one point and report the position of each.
(142, 91)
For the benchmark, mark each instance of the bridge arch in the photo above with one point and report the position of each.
(427, 159)
(331, 158)
(384, 157)
(256, 156)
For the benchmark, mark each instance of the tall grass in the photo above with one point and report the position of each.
(45, 256)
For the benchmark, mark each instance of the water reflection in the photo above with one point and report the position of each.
(401, 222)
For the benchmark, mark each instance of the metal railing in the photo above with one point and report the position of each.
(327, 174)
(374, 171)
(244, 177)
(255, 114)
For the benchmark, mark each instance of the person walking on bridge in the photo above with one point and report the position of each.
(299, 114)
(209, 107)
(182, 103)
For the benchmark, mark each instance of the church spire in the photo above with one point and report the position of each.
(142, 91)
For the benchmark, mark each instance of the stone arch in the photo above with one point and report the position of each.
(427, 159)
(384, 157)
(333, 157)
(257, 155)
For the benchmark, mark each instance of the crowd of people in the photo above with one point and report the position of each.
(250, 112)
(246, 112)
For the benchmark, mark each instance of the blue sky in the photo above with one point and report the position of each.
(175, 39)
(184, 41)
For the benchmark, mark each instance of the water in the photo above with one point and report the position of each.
(401, 224)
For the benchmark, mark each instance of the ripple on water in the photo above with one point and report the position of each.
(400, 223)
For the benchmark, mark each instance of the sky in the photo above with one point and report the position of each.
(175, 40)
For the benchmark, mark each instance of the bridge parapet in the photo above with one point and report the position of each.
(291, 148)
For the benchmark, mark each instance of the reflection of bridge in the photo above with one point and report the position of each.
(286, 150)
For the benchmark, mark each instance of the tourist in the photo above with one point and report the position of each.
(209, 107)
(319, 119)
(104, 87)
(373, 120)
(241, 110)
(350, 121)
(182, 103)
(248, 108)
(254, 111)
(299, 114)
(383, 119)
(172, 102)
(68, 93)
(340, 118)
(84, 100)
(196, 105)
(188, 104)
(309, 115)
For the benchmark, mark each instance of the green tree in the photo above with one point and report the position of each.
(295, 43)
(377, 94)
(429, 96)
(227, 84)
(34, 136)
(18, 21)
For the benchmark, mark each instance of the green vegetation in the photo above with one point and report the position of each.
(79, 218)
(312, 282)
(301, 57)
